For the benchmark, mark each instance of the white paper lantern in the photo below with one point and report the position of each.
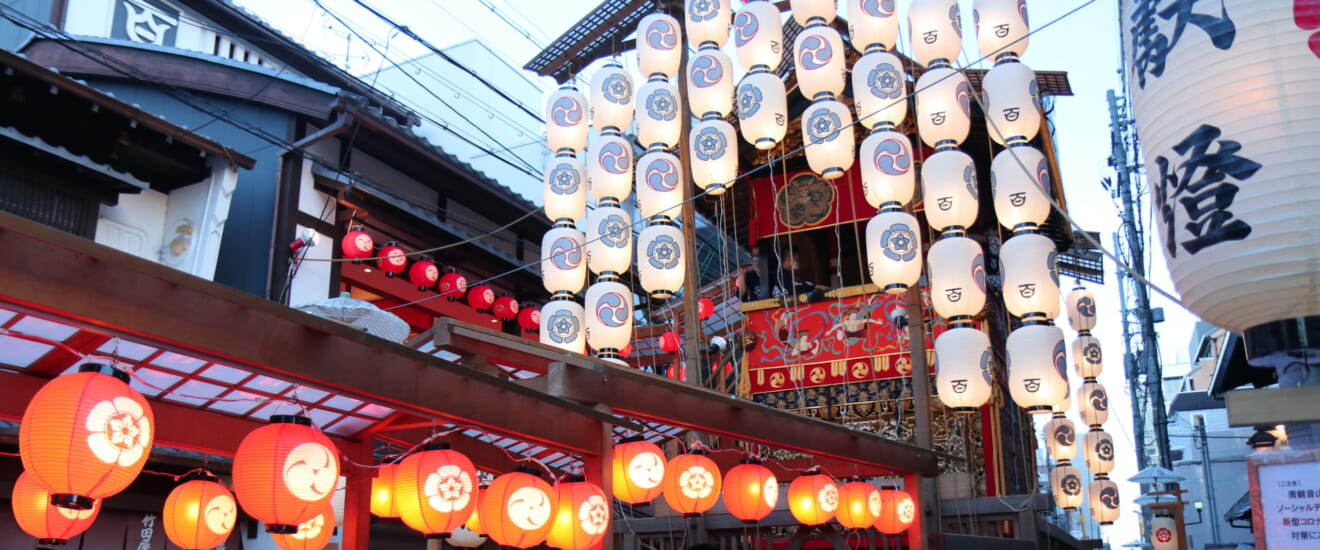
(758, 35)
(707, 22)
(1066, 485)
(609, 167)
(827, 133)
(611, 98)
(936, 30)
(1001, 27)
(944, 107)
(562, 325)
(714, 155)
(893, 251)
(609, 240)
(563, 260)
(658, 114)
(1036, 361)
(659, 185)
(1011, 98)
(609, 316)
(1081, 308)
(1031, 276)
(813, 12)
(1019, 178)
(957, 277)
(949, 190)
(879, 90)
(1163, 533)
(566, 120)
(872, 24)
(565, 188)
(659, 48)
(1088, 357)
(1102, 496)
(661, 260)
(710, 83)
(888, 171)
(762, 106)
(1061, 437)
(963, 365)
(1098, 448)
(819, 62)
(1093, 403)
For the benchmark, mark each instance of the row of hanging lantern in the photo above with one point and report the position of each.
(563, 253)
(1093, 406)
(661, 261)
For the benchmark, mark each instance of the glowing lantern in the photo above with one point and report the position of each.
(452, 285)
(1163, 533)
(658, 123)
(897, 512)
(813, 12)
(944, 107)
(610, 317)
(1012, 103)
(435, 490)
(1020, 179)
(949, 189)
(893, 251)
(582, 515)
(669, 342)
(1093, 403)
(611, 98)
(50, 524)
(1098, 448)
(383, 503)
(481, 298)
(1061, 437)
(710, 84)
(313, 534)
(1103, 499)
(828, 133)
(357, 244)
(1081, 309)
(750, 491)
(758, 35)
(859, 505)
(957, 277)
(85, 436)
(879, 90)
(473, 523)
(872, 25)
(566, 120)
(660, 260)
(518, 509)
(762, 108)
(393, 260)
(1031, 276)
(423, 274)
(565, 188)
(1066, 484)
(285, 472)
(610, 167)
(659, 185)
(705, 308)
(529, 318)
(888, 171)
(609, 239)
(639, 471)
(936, 31)
(1036, 362)
(707, 23)
(1088, 357)
(813, 498)
(963, 369)
(562, 322)
(658, 49)
(562, 255)
(692, 484)
(714, 155)
(819, 62)
(199, 514)
(506, 308)
(1001, 27)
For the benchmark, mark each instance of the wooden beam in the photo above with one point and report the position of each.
(1268, 407)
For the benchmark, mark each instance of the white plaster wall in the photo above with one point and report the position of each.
(312, 281)
(136, 225)
(313, 202)
(89, 17)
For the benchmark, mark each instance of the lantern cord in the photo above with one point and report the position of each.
(468, 240)
(42, 340)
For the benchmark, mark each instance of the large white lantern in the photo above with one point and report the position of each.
(813, 12)
(1061, 437)
(563, 324)
(710, 83)
(1019, 178)
(565, 188)
(609, 167)
(1081, 309)
(660, 260)
(762, 106)
(827, 132)
(659, 185)
(944, 107)
(563, 260)
(1163, 533)
(758, 35)
(1088, 357)
(957, 277)
(1066, 484)
(1031, 276)
(714, 155)
(609, 317)
(893, 251)
(879, 90)
(1098, 448)
(707, 22)
(658, 114)
(963, 365)
(609, 239)
(611, 98)
(659, 49)
(1011, 98)
(1036, 361)
(1001, 27)
(936, 28)
(566, 120)
(889, 174)
(1102, 496)
(873, 24)
(819, 62)
(1093, 403)
(949, 190)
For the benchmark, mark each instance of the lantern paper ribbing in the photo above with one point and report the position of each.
(949, 185)
(562, 323)
(1102, 497)
(1081, 309)
(1088, 357)
(1031, 276)
(609, 316)
(357, 244)
(758, 35)
(639, 471)
(518, 509)
(199, 514)
(813, 499)
(893, 251)
(859, 505)
(609, 239)
(872, 24)
(1066, 484)
(1098, 448)
(1093, 403)
(566, 120)
(1036, 363)
(944, 106)
(707, 22)
(879, 90)
(957, 277)
(565, 188)
(659, 185)
(762, 105)
(819, 62)
(611, 98)
(313, 534)
(963, 365)
(660, 260)
(435, 490)
(889, 173)
(828, 135)
(657, 115)
(1011, 100)
(897, 511)
(714, 155)
(382, 492)
(692, 484)
(50, 524)
(610, 167)
(284, 472)
(1061, 437)
(936, 31)
(562, 254)
(1019, 179)
(582, 516)
(659, 50)
(1001, 27)
(710, 84)
(750, 491)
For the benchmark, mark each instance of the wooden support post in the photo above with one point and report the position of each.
(599, 468)
(921, 489)
(357, 498)
(916, 532)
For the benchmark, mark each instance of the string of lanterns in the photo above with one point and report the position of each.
(1093, 405)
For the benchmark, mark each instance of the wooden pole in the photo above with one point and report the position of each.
(924, 532)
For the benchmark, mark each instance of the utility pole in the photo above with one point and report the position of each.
(1209, 476)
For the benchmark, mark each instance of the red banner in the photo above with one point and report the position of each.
(804, 201)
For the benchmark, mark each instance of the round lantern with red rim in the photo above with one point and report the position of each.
(506, 307)
(750, 491)
(357, 244)
(669, 342)
(424, 274)
(435, 490)
(859, 504)
(284, 472)
(200, 513)
(452, 286)
(897, 511)
(481, 298)
(313, 534)
(518, 509)
(639, 471)
(692, 483)
(705, 308)
(813, 498)
(529, 318)
(383, 503)
(393, 260)
(582, 515)
(49, 524)
(85, 436)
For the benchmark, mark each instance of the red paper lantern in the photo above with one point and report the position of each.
(639, 471)
(284, 472)
(435, 490)
(518, 509)
(529, 318)
(423, 274)
(692, 484)
(313, 534)
(669, 342)
(582, 515)
(357, 244)
(199, 514)
(813, 498)
(49, 524)
(859, 505)
(383, 503)
(506, 308)
(85, 436)
(897, 512)
(705, 308)
(452, 286)
(481, 297)
(750, 491)
(393, 260)
(626, 351)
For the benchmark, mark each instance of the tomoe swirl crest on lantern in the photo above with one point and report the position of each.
(615, 158)
(662, 35)
(1099, 401)
(1064, 435)
(662, 175)
(706, 71)
(611, 310)
(986, 368)
(892, 157)
(978, 271)
(1052, 263)
(745, 28)
(565, 253)
(815, 53)
(878, 8)
(1109, 497)
(1061, 359)
(566, 112)
(964, 94)
(969, 177)
(955, 18)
